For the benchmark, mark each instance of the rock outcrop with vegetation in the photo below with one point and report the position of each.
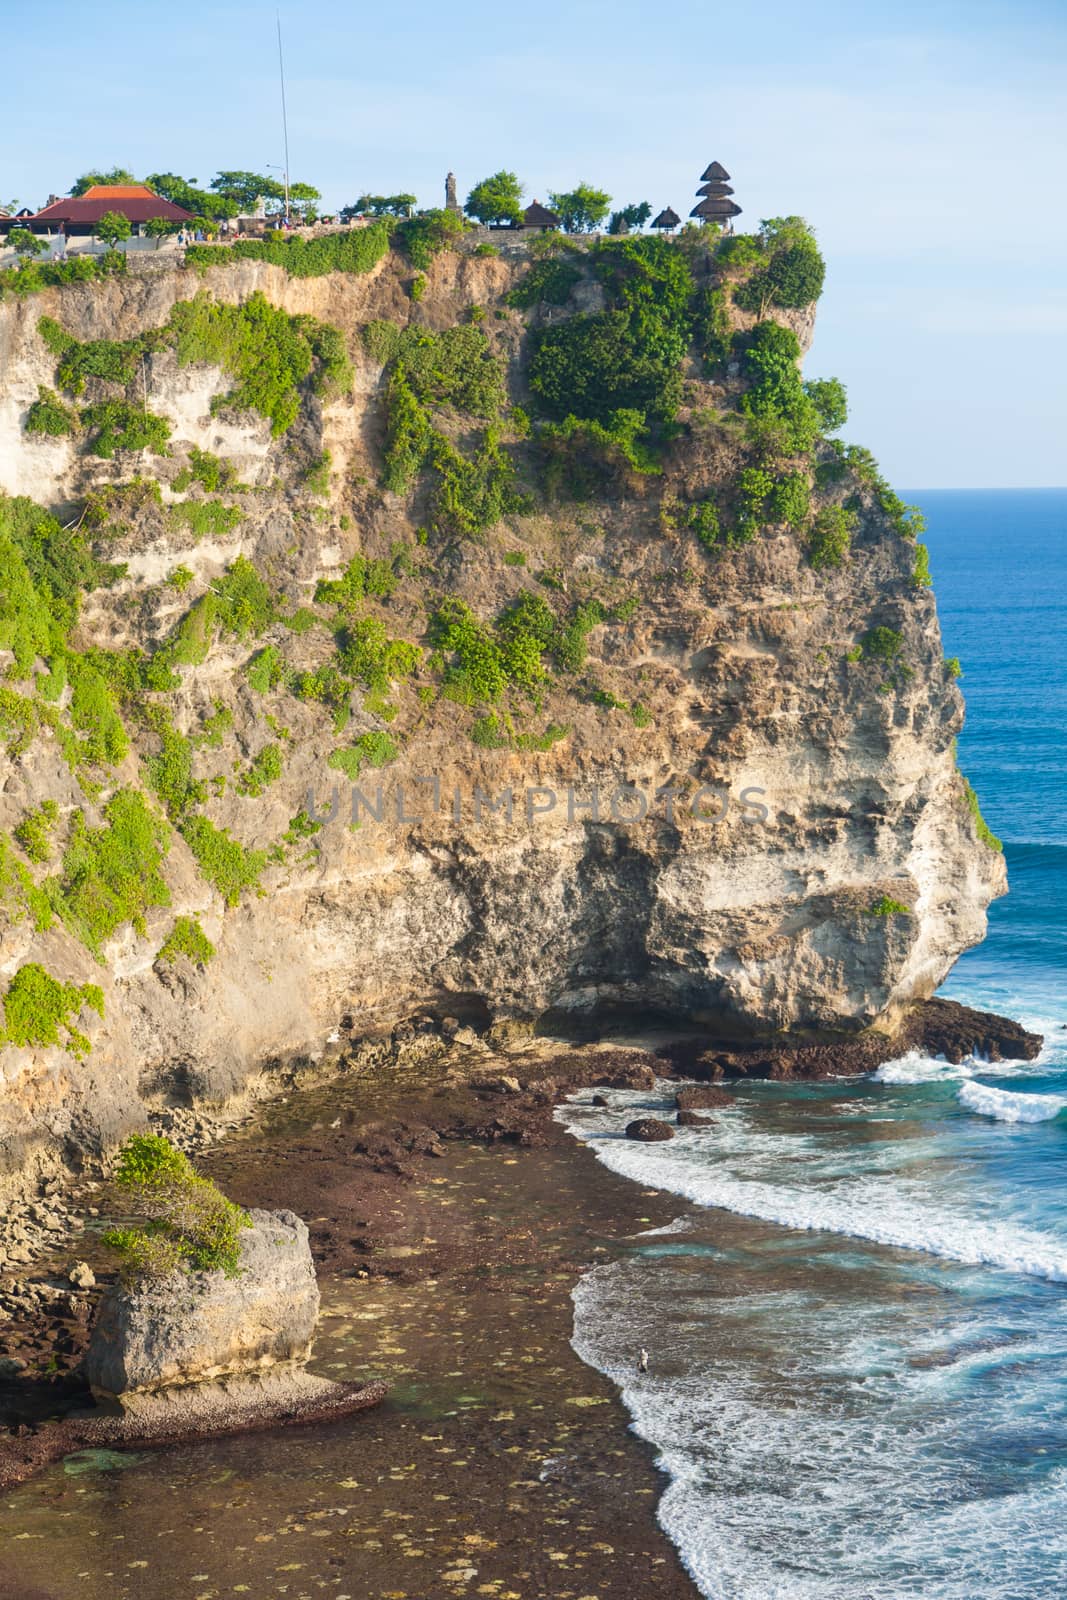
(434, 524)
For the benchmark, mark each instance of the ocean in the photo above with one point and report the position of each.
(858, 1324)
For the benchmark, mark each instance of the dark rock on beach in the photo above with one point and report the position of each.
(648, 1130)
(701, 1096)
(694, 1119)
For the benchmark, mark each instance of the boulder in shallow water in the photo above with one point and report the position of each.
(699, 1096)
(694, 1119)
(649, 1130)
(196, 1328)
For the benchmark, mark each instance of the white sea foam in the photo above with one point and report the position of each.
(915, 1068)
(819, 1463)
(1005, 1106)
(749, 1173)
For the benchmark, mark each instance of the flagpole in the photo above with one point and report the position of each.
(285, 121)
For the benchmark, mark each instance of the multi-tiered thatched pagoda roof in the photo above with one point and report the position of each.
(714, 194)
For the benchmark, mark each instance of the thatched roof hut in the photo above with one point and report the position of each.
(539, 216)
(667, 219)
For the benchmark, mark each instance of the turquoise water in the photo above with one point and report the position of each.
(858, 1326)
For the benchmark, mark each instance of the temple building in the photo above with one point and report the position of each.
(667, 220)
(80, 216)
(713, 195)
(539, 216)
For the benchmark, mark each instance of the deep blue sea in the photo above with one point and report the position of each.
(858, 1327)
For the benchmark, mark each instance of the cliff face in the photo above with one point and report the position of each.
(816, 692)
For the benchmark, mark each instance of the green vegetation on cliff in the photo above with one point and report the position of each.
(37, 1006)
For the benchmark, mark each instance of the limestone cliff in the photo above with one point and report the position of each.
(705, 641)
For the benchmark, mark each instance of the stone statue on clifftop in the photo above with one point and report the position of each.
(451, 198)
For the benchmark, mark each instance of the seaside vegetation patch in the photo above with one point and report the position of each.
(357, 251)
(111, 875)
(37, 1006)
(189, 1224)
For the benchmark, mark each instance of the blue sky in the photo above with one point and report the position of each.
(926, 143)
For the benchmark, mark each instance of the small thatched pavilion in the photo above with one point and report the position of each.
(539, 216)
(714, 194)
(667, 220)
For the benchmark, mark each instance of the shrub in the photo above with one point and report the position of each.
(186, 938)
(357, 251)
(703, 518)
(37, 1005)
(93, 713)
(790, 500)
(111, 875)
(266, 670)
(478, 673)
(170, 771)
(777, 394)
(373, 749)
(370, 657)
(190, 1224)
(223, 861)
(921, 576)
(882, 644)
(115, 425)
(244, 604)
(548, 282)
(269, 353)
(409, 435)
(49, 415)
(205, 518)
(20, 896)
(424, 235)
(474, 494)
(953, 669)
(317, 475)
(982, 828)
(791, 271)
(265, 769)
(180, 578)
(35, 830)
(888, 907)
(831, 537)
(215, 474)
(830, 401)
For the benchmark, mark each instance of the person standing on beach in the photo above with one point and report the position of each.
(642, 1361)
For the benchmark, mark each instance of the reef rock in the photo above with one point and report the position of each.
(198, 1328)
(648, 1130)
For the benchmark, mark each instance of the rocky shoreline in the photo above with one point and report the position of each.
(436, 1083)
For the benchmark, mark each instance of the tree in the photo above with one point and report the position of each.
(183, 192)
(113, 227)
(304, 200)
(381, 205)
(632, 216)
(496, 200)
(88, 179)
(25, 243)
(245, 188)
(830, 401)
(581, 209)
(158, 228)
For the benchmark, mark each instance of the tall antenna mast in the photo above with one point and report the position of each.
(285, 121)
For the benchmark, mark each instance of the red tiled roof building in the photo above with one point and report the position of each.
(135, 200)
